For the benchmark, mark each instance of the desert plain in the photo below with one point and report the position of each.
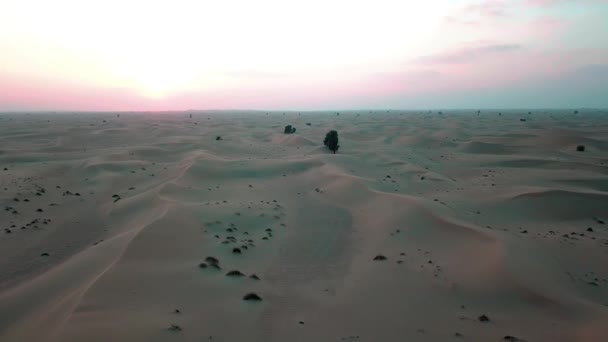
(424, 226)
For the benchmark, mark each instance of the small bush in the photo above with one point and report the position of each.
(483, 318)
(580, 148)
(175, 327)
(212, 260)
(252, 296)
(331, 141)
(289, 129)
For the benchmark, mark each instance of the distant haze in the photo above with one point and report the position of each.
(309, 54)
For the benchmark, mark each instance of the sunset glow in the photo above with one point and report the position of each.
(115, 55)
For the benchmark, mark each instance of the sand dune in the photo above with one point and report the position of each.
(293, 140)
(557, 204)
(423, 227)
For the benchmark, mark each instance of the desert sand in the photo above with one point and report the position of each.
(423, 227)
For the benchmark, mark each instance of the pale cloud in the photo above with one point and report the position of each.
(468, 55)
(547, 3)
(488, 8)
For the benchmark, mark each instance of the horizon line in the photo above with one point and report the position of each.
(24, 111)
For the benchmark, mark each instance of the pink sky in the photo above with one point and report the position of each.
(270, 54)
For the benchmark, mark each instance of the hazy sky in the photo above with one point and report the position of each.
(308, 54)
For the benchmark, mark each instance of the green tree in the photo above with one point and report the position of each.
(331, 141)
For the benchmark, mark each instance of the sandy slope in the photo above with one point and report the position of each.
(476, 215)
